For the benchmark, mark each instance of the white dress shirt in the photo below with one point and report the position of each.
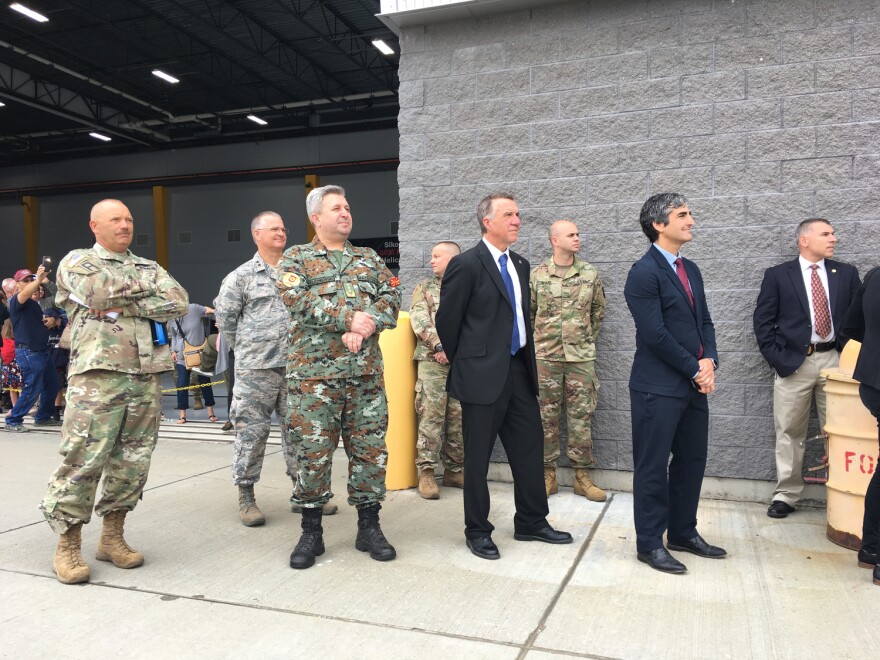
(517, 290)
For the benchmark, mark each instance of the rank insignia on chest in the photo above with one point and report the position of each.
(348, 287)
(290, 280)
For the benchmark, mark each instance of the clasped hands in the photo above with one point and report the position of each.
(705, 378)
(362, 326)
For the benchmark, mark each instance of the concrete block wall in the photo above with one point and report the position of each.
(763, 112)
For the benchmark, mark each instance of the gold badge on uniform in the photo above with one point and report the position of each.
(290, 280)
(348, 287)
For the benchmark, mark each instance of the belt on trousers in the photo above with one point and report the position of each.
(821, 348)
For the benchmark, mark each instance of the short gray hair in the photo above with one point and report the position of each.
(257, 222)
(485, 206)
(316, 197)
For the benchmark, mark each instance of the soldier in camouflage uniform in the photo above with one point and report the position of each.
(439, 414)
(567, 306)
(113, 394)
(340, 297)
(254, 322)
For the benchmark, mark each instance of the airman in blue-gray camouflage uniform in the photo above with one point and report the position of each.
(567, 307)
(113, 396)
(254, 323)
(340, 298)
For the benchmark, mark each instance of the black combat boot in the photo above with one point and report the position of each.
(370, 537)
(311, 543)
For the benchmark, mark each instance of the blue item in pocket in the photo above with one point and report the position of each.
(160, 333)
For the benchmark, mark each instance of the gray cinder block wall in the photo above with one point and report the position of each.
(762, 112)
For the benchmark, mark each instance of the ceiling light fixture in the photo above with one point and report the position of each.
(164, 76)
(383, 48)
(257, 120)
(99, 136)
(30, 13)
(2, 104)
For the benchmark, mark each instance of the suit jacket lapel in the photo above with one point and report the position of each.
(493, 268)
(833, 284)
(673, 276)
(522, 271)
(797, 283)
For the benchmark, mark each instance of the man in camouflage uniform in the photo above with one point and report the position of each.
(436, 409)
(113, 393)
(567, 306)
(340, 298)
(254, 321)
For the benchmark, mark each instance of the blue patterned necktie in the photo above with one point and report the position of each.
(514, 344)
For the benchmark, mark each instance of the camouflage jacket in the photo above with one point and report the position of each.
(101, 279)
(251, 316)
(422, 311)
(567, 311)
(322, 301)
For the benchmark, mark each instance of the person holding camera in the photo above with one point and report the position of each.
(31, 332)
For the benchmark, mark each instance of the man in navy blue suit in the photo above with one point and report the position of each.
(672, 372)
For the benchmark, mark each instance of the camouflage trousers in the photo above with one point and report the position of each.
(574, 386)
(256, 395)
(110, 427)
(439, 420)
(319, 412)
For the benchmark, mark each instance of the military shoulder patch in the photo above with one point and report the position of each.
(290, 280)
(80, 263)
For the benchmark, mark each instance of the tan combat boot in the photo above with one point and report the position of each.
(453, 479)
(428, 485)
(112, 546)
(583, 485)
(248, 511)
(550, 484)
(69, 565)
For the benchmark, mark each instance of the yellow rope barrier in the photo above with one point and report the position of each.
(193, 387)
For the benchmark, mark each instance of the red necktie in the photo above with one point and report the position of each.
(820, 304)
(683, 276)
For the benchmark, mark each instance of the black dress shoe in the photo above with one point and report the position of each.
(661, 560)
(699, 547)
(867, 559)
(546, 535)
(779, 509)
(877, 575)
(484, 548)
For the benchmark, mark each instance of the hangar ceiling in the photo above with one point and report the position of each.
(303, 67)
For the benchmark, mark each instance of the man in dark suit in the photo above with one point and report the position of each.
(801, 305)
(672, 372)
(484, 328)
(863, 325)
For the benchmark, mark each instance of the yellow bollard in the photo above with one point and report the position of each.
(397, 347)
(852, 451)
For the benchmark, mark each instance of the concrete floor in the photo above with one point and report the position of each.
(211, 588)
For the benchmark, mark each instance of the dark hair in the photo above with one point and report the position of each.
(806, 225)
(657, 209)
(485, 206)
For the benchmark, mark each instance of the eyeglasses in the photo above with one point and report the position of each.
(274, 230)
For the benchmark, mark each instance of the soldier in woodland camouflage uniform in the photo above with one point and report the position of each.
(340, 298)
(254, 323)
(439, 414)
(567, 305)
(112, 418)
